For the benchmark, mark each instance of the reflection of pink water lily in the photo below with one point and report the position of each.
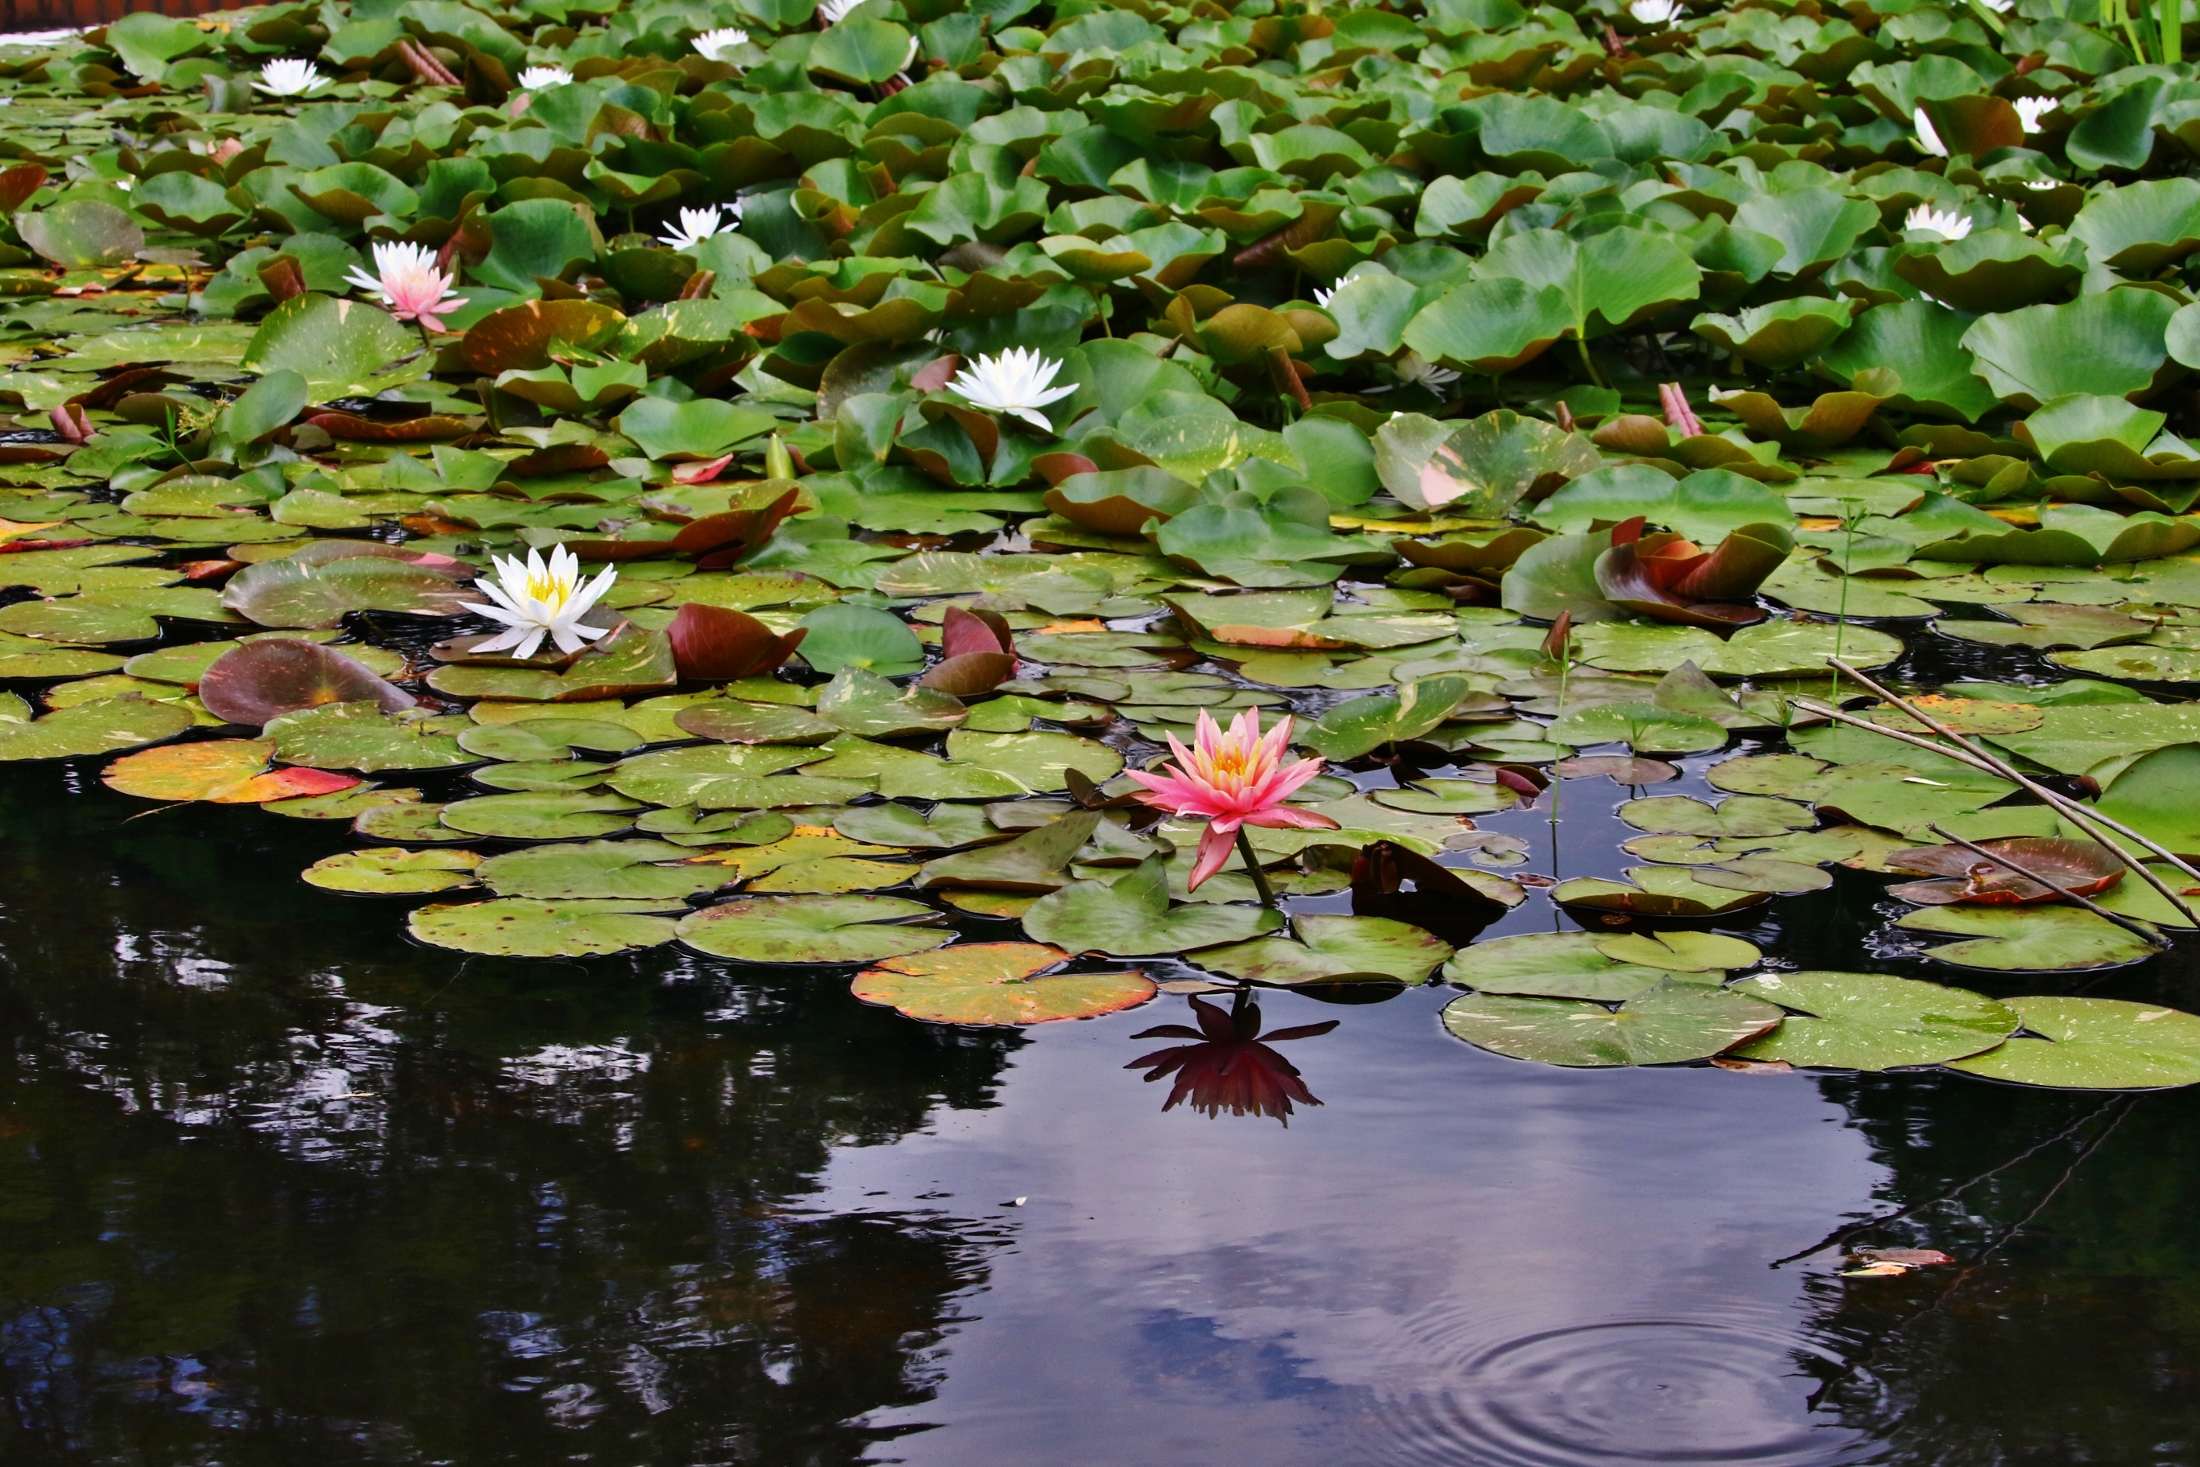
(1228, 1067)
(1230, 780)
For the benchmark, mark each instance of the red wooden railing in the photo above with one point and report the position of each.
(43, 15)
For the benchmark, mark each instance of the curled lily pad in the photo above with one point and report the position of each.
(814, 929)
(1036, 861)
(2094, 1044)
(392, 871)
(1873, 1021)
(1671, 1023)
(2082, 866)
(510, 927)
(997, 983)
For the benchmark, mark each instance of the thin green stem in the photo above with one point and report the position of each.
(1252, 867)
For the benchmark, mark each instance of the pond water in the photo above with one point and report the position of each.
(277, 1184)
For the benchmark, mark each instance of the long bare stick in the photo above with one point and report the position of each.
(2009, 771)
(2078, 814)
(2140, 930)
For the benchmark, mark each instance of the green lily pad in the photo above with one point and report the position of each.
(627, 869)
(1873, 1021)
(1036, 861)
(734, 722)
(93, 728)
(1643, 727)
(1131, 917)
(2094, 1044)
(551, 815)
(860, 702)
(1671, 1023)
(510, 927)
(945, 827)
(1554, 965)
(2035, 939)
(361, 736)
(1334, 949)
(1679, 952)
(814, 929)
(417, 824)
(1365, 724)
(392, 870)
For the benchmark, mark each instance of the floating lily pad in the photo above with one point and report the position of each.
(860, 702)
(510, 927)
(733, 722)
(2044, 939)
(1555, 965)
(2094, 1044)
(1679, 952)
(642, 870)
(1131, 917)
(1873, 1021)
(419, 824)
(1036, 861)
(539, 816)
(1334, 949)
(392, 871)
(945, 827)
(997, 983)
(1671, 1023)
(93, 728)
(814, 929)
(219, 771)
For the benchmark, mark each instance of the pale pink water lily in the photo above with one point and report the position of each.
(410, 284)
(1231, 780)
(536, 600)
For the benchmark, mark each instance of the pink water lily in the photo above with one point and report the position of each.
(410, 285)
(1231, 780)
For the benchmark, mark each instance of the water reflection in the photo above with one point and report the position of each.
(275, 1186)
(1229, 1066)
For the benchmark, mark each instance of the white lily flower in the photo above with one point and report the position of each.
(536, 600)
(1947, 223)
(1999, 7)
(535, 78)
(290, 78)
(1015, 381)
(1654, 12)
(2031, 109)
(1928, 141)
(697, 225)
(1415, 369)
(833, 12)
(713, 45)
(2037, 184)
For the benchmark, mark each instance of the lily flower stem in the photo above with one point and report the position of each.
(2139, 930)
(2077, 814)
(1252, 867)
(2087, 819)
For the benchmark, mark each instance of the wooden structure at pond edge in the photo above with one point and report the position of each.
(47, 15)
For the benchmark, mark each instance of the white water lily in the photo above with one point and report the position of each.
(1413, 369)
(833, 12)
(1654, 12)
(2037, 184)
(1947, 223)
(535, 600)
(1999, 7)
(713, 45)
(535, 78)
(697, 225)
(2031, 109)
(290, 78)
(1016, 382)
(1928, 141)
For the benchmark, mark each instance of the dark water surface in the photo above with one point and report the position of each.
(279, 1187)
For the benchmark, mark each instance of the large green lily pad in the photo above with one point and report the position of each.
(1671, 1023)
(509, 927)
(814, 929)
(1873, 1021)
(1131, 917)
(1334, 949)
(2094, 1044)
(2035, 939)
(997, 983)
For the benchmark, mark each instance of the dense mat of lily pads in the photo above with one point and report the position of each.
(757, 475)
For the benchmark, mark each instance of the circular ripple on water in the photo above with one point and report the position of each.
(1633, 1391)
